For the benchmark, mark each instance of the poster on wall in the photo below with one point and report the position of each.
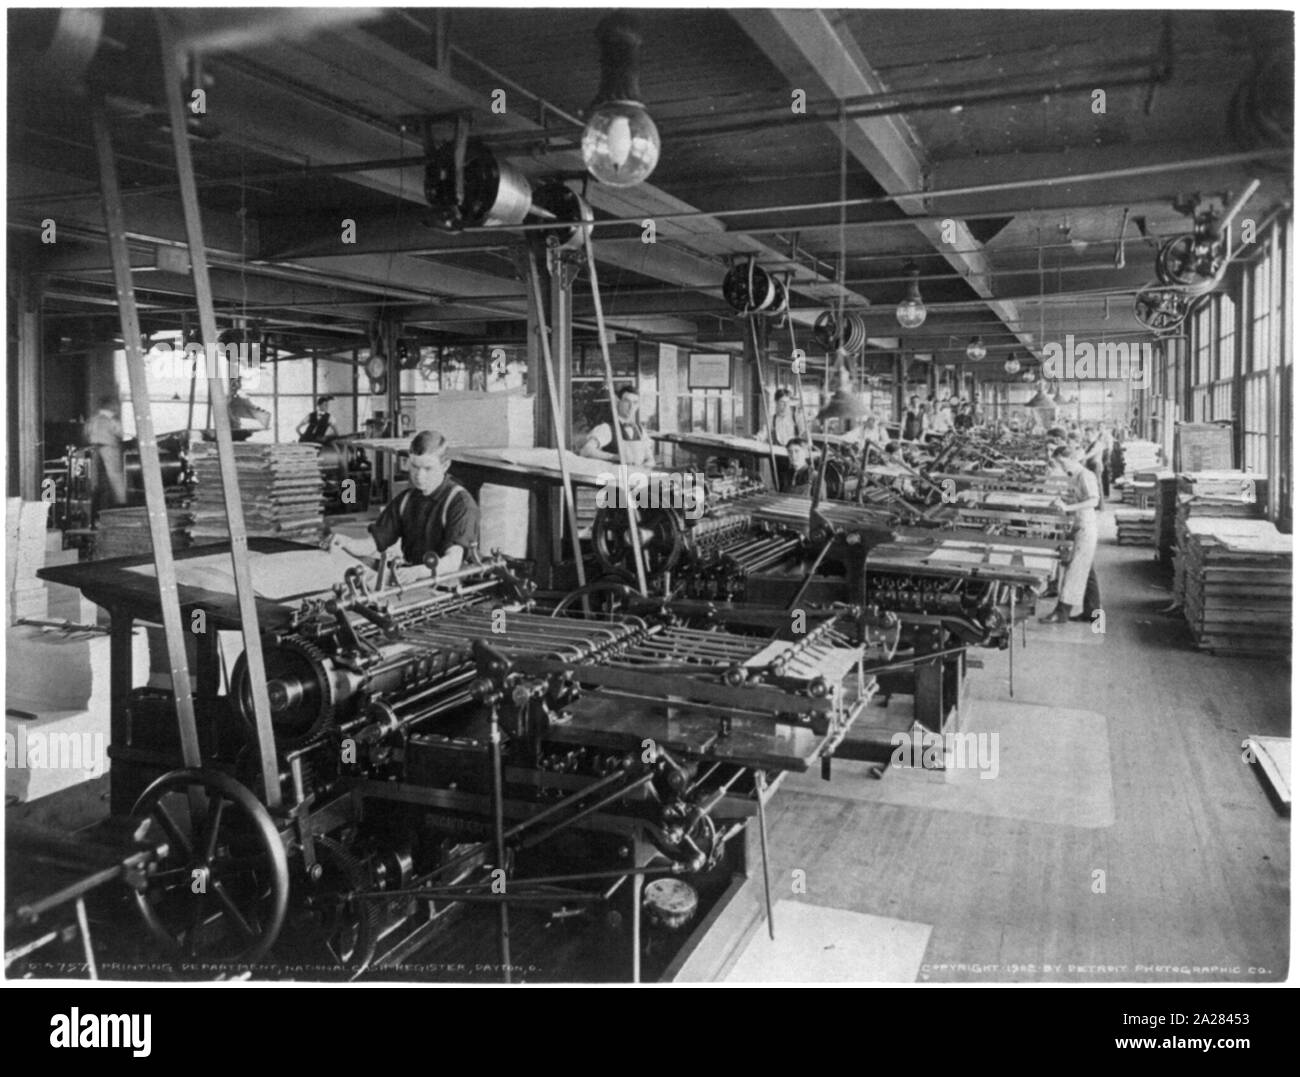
(709, 371)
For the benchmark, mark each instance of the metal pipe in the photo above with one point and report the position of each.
(1132, 172)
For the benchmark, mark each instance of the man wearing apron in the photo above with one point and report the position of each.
(602, 444)
(1082, 505)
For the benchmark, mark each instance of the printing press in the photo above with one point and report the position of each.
(446, 750)
(950, 587)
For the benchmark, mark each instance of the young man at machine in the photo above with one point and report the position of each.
(638, 449)
(800, 478)
(435, 520)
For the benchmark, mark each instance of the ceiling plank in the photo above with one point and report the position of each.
(821, 57)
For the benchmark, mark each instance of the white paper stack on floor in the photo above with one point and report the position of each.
(1140, 455)
(1236, 585)
(25, 540)
(280, 488)
(1135, 527)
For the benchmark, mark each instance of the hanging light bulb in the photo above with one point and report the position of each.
(1027, 376)
(620, 145)
(910, 311)
(975, 350)
(1012, 365)
(1059, 397)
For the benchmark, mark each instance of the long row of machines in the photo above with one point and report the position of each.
(458, 745)
(450, 745)
(959, 561)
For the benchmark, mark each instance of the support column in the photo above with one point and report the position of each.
(30, 425)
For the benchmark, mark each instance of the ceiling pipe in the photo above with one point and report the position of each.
(1132, 172)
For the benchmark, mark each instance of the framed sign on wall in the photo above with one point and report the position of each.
(709, 371)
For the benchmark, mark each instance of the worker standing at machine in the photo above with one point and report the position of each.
(913, 420)
(787, 421)
(318, 427)
(800, 478)
(638, 449)
(436, 517)
(103, 432)
(1082, 505)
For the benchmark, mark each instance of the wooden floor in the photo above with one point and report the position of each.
(1196, 863)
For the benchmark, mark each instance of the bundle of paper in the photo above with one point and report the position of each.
(280, 489)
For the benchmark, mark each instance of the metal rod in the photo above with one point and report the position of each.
(590, 809)
(1132, 172)
(83, 928)
(767, 408)
(760, 785)
(221, 419)
(561, 442)
(638, 885)
(633, 525)
(498, 828)
(150, 464)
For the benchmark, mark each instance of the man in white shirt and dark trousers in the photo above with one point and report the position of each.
(1079, 591)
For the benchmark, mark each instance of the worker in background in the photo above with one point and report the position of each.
(913, 420)
(434, 518)
(244, 414)
(318, 427)
(103, 432)
(1094, 458)
(1075, 602)
(787, 420)
(800, 477)
(638, 449)
(1107, 455)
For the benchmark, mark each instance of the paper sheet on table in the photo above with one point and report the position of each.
(548, 459)
(276, 576)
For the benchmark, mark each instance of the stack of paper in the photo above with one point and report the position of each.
(280, 488)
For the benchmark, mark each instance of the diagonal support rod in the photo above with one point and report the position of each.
(150, 469)
(220, 418)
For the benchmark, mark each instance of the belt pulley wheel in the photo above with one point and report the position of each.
(1190, 261)
(300, 687)
(337, 921)
(1160, 310)
(220, 890)
(567, 205)
(663, 540)
(749, 289)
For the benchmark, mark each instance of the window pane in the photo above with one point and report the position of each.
(294, 376)
(343, 412)
(291, 411)
(334, 377)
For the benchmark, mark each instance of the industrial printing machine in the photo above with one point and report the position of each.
(444, 747)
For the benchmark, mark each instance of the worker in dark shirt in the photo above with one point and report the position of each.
(799, 480)
(435, 517)
(318, 427)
